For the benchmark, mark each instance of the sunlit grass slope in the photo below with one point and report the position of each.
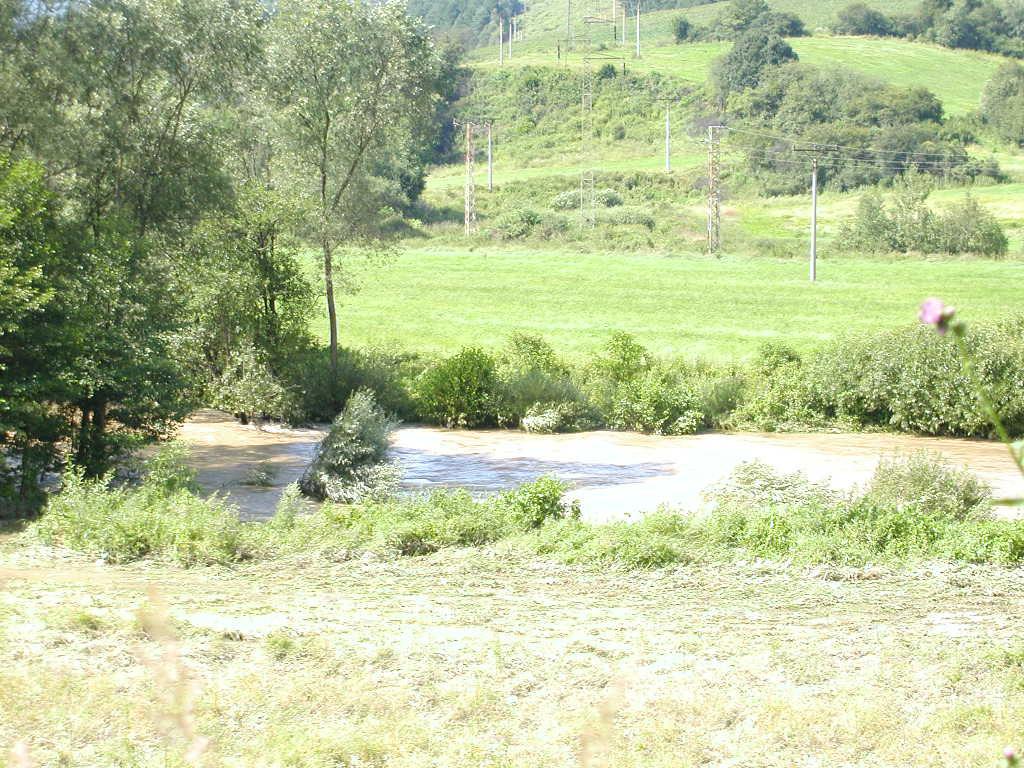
(956, 77)
(441, 299)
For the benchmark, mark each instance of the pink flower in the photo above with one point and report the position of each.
(934, 312)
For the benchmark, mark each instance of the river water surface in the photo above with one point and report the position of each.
(615, 475)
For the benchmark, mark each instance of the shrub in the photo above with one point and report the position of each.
(627, 216)
(754, 52)
(529, 374)
(607, 72)
(124, 524)
(320, 395)
(551, 418)
(683, 31)
(349, 464)
(566, 201)
(655, 403)
(426, 524)
(609, 198)
(912, 226)
(516, 224)
(461, 391)
(925, 483)
(860, 19)
(248, 389)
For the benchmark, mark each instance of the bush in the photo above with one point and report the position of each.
(120, 525)
(551, 418)
(754, 52)
(609, 198)
(530, 376)
(860, 19)
(461, 391)
(683, 31)
(925, 484)
(516, 224)
(655, 403)
(627, 216)
(566, 201)
(426, 524)
(350, 464)
(912, 226)
(248, 389)
(319, 395)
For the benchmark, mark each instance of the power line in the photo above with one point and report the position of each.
(831, 146)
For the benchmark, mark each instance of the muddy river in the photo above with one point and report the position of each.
(614, 475)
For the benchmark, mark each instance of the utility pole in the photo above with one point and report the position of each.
(714, 190)
(624, 22)
(568, 25)
(490, 159)
(511, 25)
(470, 190)
(668, 138)
(638, 29)
(814, 219)
(615, 22)
(501, 40)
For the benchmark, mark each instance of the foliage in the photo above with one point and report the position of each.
(755, 16)
(909, 380)
(911, 225)
(982, 25)
(350, 462)
(461, 391)
(754, 52)
(249, 286)
(1002, 103)
(881, 130)
(351, 83)
(248, 389)
(862, 19)
(124, 524)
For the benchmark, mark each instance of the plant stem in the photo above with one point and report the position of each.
(986, 402)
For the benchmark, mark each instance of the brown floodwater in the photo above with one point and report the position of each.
(615, 475)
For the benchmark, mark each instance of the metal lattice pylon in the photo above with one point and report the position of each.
(714, 190)
(588, 134)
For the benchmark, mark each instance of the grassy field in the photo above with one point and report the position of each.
(956, 77)
(436, 299)
(545, 19)
(478, 659)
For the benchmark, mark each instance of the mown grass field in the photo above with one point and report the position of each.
(956, 77)
(478, 659)
(439, 299)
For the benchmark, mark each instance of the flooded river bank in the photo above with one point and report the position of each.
(615, 475)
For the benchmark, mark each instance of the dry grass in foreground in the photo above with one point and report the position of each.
(478, 658)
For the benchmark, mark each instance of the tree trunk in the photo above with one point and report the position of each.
(332, 314)
(84, 429)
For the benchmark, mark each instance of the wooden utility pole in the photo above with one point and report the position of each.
(511, 27)
(638, 29)
(814, 219)
(490, 159)
(615, 22)
(470, 190)
(568, 25)
(501, 40)
(668, 138)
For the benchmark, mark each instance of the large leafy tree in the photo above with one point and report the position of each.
(351, 83)
(132, 147)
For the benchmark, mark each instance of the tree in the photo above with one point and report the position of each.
(860, 19)
(249, 289)
(753, 53)
(351, 82)
(1002, 103)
